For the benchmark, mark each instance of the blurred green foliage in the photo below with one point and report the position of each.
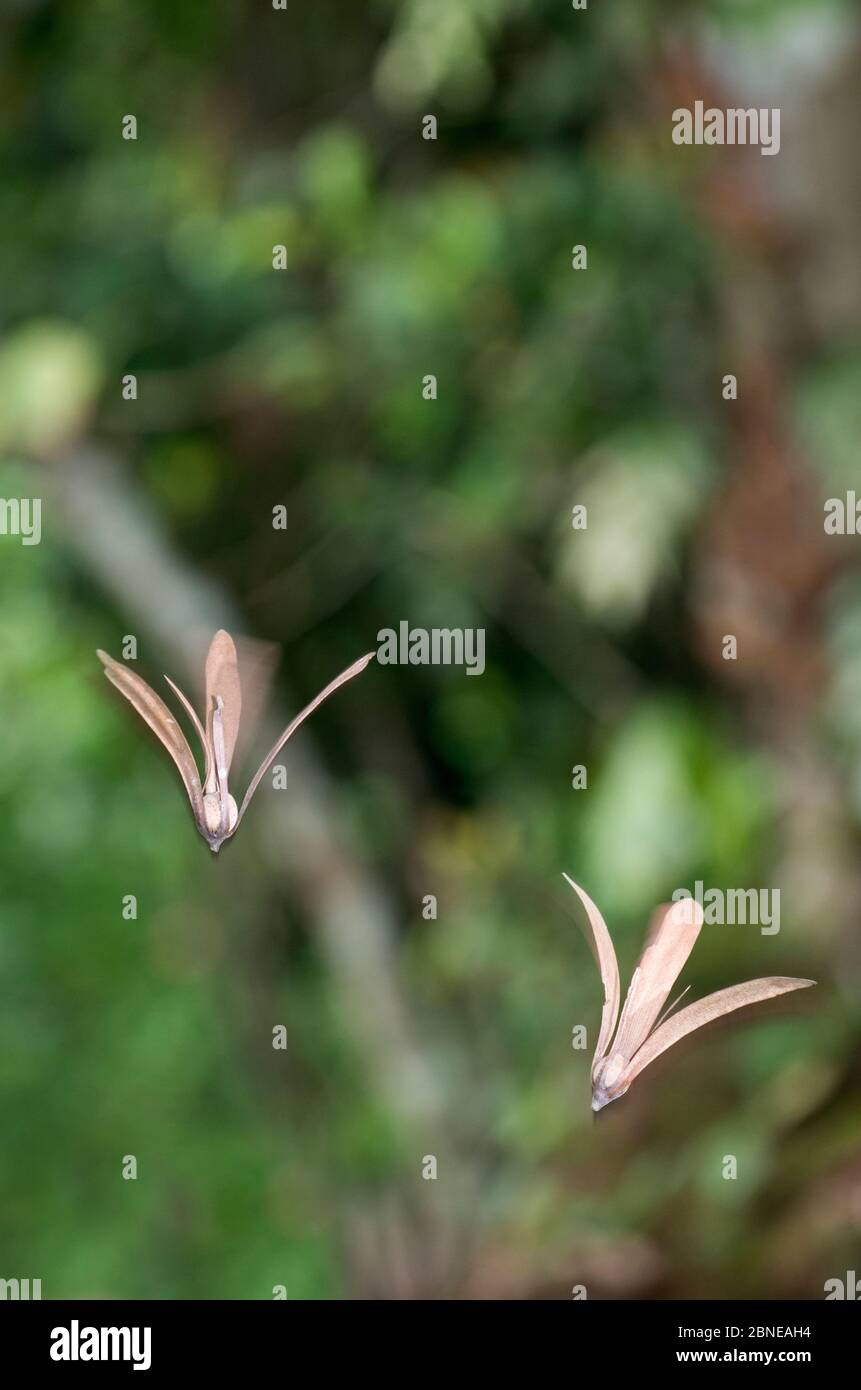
(256, 388)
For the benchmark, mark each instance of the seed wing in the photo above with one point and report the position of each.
(670, 939)
(156, 714)
(696, 1015)
(195, 719)
(222, 678)
(605, 956)
(351, 671)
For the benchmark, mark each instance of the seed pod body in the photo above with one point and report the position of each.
(606, 1085)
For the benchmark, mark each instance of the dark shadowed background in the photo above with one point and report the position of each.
(256, 388)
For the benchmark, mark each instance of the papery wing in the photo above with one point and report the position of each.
(195, 719)
(605, 957)
(351, 671)
(222, 678)
(724, 1001)
(156, 714)
(670, 939)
